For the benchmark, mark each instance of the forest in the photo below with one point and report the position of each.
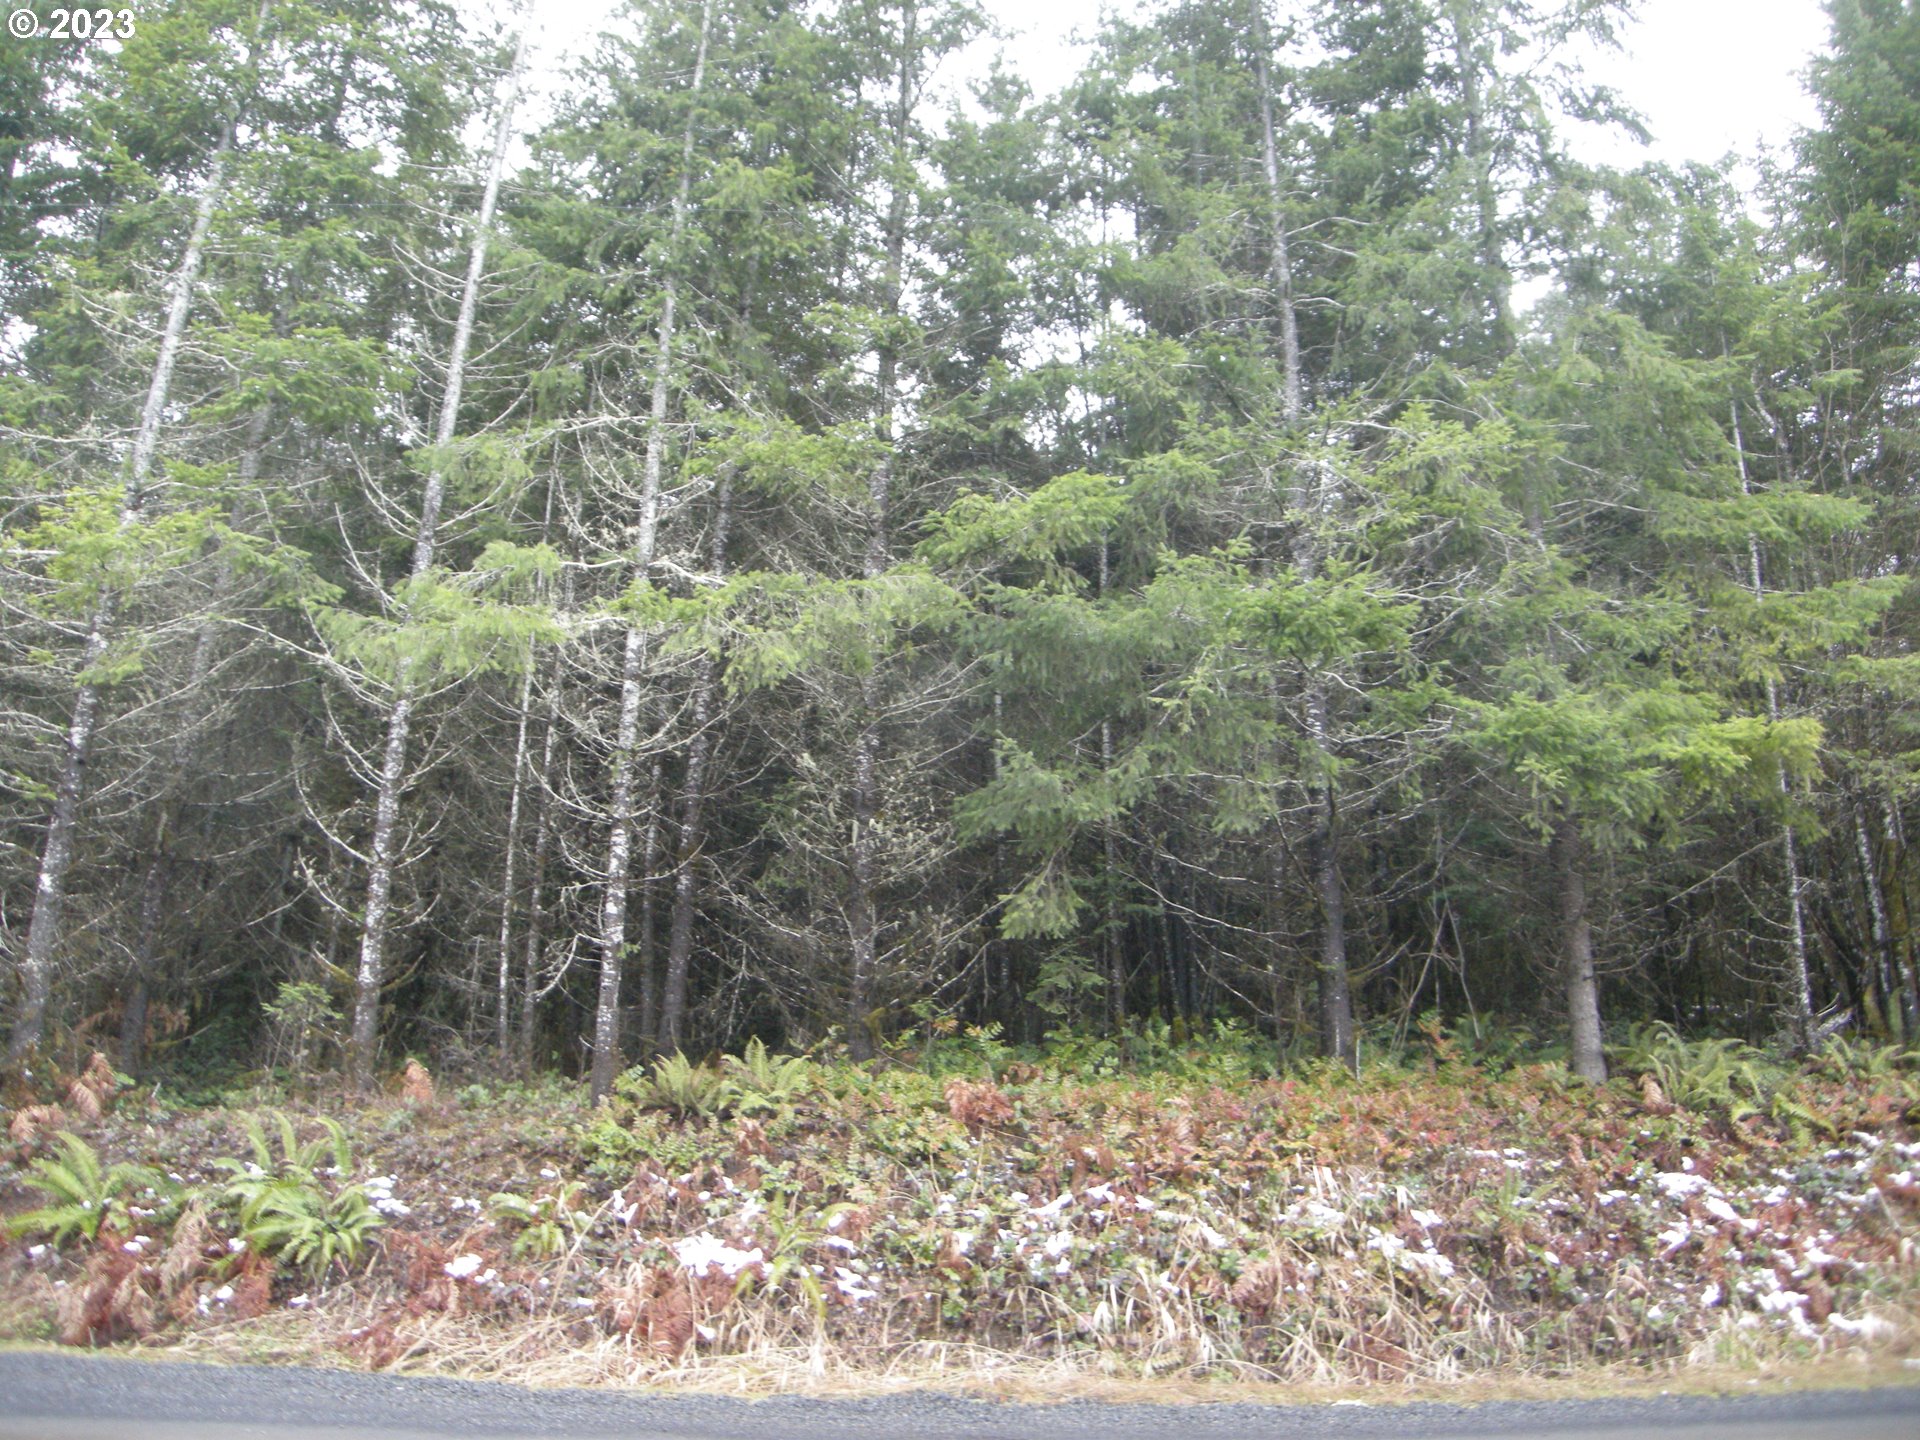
(761, 550)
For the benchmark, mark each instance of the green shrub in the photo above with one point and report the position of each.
(765, 1083)
(82, 1195)
(1710, 1075)
(676, 1084)
(548, 1223)
(291, 1205)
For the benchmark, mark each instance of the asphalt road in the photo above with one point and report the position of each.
(81, 1397)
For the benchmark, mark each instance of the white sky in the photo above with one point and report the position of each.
(1710, 76)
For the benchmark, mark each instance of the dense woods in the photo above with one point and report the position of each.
(758, 549)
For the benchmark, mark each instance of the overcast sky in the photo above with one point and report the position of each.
(1711, 76)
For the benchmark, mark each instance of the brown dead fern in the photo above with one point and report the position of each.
(416, 1086)
(34, 1123)
(112, 1301)
(977, 1104)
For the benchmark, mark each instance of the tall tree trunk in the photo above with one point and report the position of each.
(503, 958)
(1799, 981)
(861, 926)
(1886, 973)
(370, 977)
(133, 1010)
(1899, 927)
(649, 1036)
(1308, 498)
(531, 950)
(1582, 989)
(686, 881)
(1115, 951)
(613, 903)
(56, 855)
(1336, 989)
(1279, 261)
(533, 987)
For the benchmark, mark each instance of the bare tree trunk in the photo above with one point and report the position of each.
(1115, 952)
(1336, 990)
(862, 930)
(1582, 989)
(371, 975)
(649, 1036)
(536, 906)
(1280, 264)
(133, 1010)
(613, 904)
(503, 979)
(1899, 926)
(56, 855)
(1885, 973)
(687, 856)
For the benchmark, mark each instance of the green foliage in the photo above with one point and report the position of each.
(765, 1083)
(677, 1084)
(796, 1233)
(1064, 980)
(954, 1049)
(1720, 1075)
(1863, 1061)
(302, 1013)
(449, 626)
(305, 1226)
(754, 1082)
(548, 1223)
(295, 1203)
(84, 1197)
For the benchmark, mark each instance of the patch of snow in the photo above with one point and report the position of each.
(854, 1287)
(1867, 1327)
(1678, 1184)
(705, 1252)
(1721, 1210)
(1431, 1261)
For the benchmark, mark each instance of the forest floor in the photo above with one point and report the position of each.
(1086, 1225)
